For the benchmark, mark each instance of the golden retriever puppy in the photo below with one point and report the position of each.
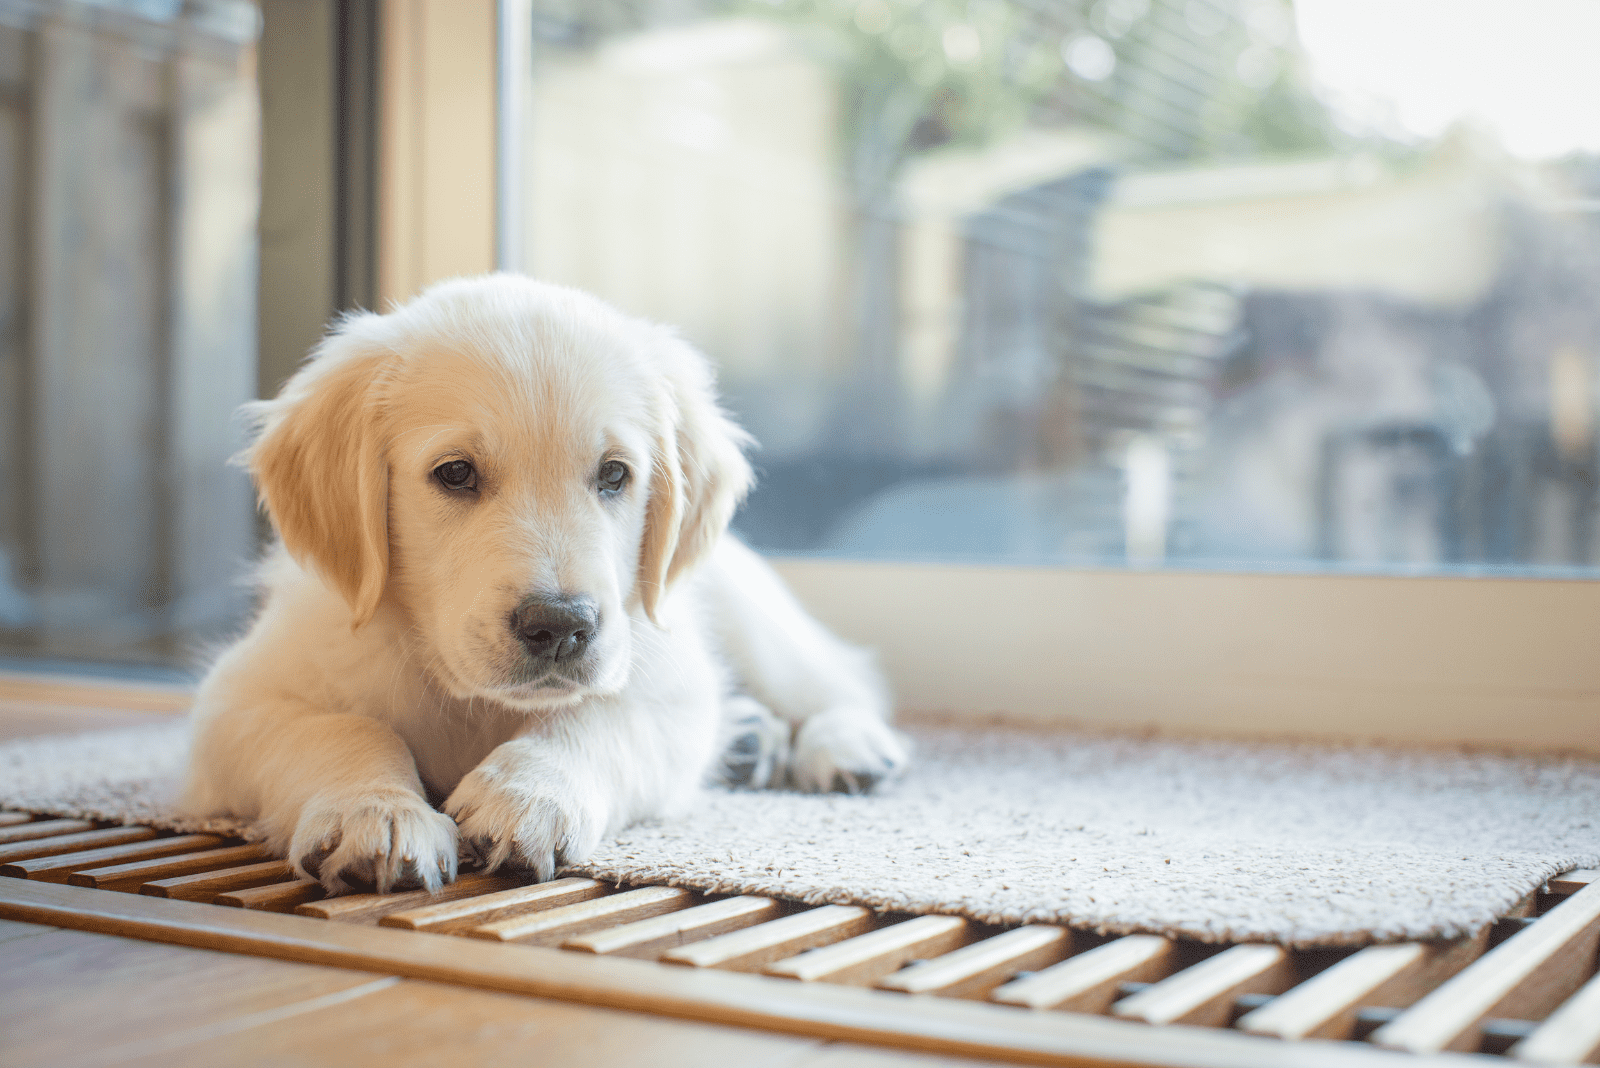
(503, 582)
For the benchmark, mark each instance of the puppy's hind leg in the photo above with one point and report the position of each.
(755, 746)
(830, 693)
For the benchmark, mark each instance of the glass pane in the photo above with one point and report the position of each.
(1194, 283)
(129, 182)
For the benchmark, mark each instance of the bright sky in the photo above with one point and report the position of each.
(1527, 69)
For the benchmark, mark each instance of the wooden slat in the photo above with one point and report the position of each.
(449, 916)
(1570, 1035)
(206, 885)
(1089, 981)
(1202, 995)
(554, 926)
(11, 819)
(22, 830)
(73, 843)
(1573, 881)
(863, 960)
(973, 971)
(750, 949)
(56, 869)
(1525, 908)
(647, 939)
(279, 897)
(1524, 977)
(370, 908)
(132, 875)
(1325, 1005)
(948, 1026)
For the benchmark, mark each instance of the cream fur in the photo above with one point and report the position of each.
(382, 668)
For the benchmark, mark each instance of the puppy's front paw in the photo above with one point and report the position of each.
(383, 838)
(847, 749)
(526, 816)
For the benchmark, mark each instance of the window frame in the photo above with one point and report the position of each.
(437, 131)
(1503, 662)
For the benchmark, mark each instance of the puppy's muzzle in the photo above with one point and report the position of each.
(555, 630)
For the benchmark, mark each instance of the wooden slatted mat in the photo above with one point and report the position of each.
(1524, 990)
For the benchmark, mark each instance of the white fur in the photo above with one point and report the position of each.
(382, 667)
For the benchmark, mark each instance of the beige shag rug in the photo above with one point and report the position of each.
(1298, 844)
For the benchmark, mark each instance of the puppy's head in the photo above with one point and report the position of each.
(516, 468)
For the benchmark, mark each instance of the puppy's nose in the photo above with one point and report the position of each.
(555, 628)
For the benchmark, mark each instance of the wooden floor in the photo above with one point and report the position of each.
(74, 998)
(126, 945)
(77, 998)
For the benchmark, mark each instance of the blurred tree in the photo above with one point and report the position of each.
(917, 74)
(1174, 79)
(1171, 82)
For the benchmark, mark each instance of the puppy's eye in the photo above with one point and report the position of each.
(457, 475)
(613, 476)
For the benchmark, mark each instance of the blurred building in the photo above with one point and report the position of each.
(1163, 312)
(129, 185)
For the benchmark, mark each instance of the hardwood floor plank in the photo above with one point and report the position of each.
(863, 960)
(278, 897)
(973, 971)
(73, 843)
(1325, 1005)
(948, 1026)
(134, 874)
(751, 949)
(23, 830)
(648, 939)
(57, 868)
(118, 990)
(29, 719)
(370, 908)
(1202, 994)
(1570, 1035)
(10, 929)
(554, 926)
(414, 1024)
(1523, 977)
(845, 1055)
(206, 885)
(449, 916)
(1088, 982)
(80, 692)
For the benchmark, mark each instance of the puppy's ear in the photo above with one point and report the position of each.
(699, 474)
(321, 471)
